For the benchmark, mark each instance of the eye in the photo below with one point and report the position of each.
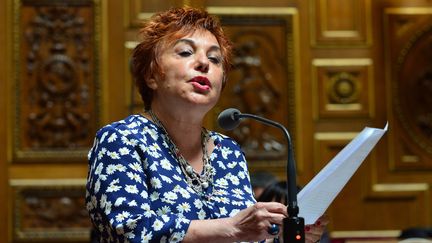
(185, 53)
(215, 60)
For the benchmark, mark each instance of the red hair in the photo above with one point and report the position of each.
(163, 29)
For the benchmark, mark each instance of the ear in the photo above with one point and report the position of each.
(151, 83)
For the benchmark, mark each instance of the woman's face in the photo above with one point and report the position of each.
(192, 72)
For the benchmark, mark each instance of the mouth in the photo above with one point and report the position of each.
(201, 83)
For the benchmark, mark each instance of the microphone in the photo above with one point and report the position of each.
(293, 225)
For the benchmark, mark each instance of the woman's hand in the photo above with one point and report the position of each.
(313, 232)
(252, 223)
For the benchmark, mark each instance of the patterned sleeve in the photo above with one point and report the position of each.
(117, 194)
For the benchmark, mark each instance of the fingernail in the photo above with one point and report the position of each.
(318, 223)
(307, 228)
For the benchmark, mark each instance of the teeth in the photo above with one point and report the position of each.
(201, 82)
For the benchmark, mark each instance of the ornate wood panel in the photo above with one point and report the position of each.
(343, 88)
(56, 112)
(49, 210)
(262, 80)
(408, 49)
(139, 10)
(391, 190)
(53, 115)
(337, 22)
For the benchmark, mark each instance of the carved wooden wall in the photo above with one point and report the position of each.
(378, 66)
(56, 112)
(53, 111)
(323, 68)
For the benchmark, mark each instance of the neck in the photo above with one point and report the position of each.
(186, 135)
(194, 154)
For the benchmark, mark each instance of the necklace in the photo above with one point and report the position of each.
(198, 182)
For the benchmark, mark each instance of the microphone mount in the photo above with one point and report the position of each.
(293, 225)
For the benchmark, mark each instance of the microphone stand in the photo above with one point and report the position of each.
(293, 226)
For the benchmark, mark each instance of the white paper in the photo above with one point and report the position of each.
(319, 193)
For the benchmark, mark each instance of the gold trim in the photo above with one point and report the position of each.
(400, 187)
(315, 92)
(46, 182)
(13, 131)
(10, 59)
(410, 158)
(340, 33)
(51, 155)
(365, 234)
(104, 65)
(342, 62)
(252, 10)
(131, 44)
(298, 104)
(144, 15)
(371, 87)
(408, 10)
(335, 135)
(100, 67)
(343, 107)
(131, 88)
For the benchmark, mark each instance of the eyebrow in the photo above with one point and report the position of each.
(192, 43)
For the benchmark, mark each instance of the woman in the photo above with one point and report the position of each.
(160, 176)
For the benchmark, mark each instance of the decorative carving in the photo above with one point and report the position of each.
(343, 88)
(255, 93)
(61, 211)
(413, 87)
(57, 79)
(50, 212)
(261, 82)
(424, 91)
(408, 49)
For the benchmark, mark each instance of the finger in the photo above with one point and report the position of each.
(317, 229)
(323, 220)
(314, 232)
(273, 207)
(274, 213)
(311, 236)
(276, 218)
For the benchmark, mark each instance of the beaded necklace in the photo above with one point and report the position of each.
(199, 183)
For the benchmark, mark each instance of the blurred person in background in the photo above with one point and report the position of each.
(260, 180)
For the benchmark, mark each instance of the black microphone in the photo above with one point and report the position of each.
(293, 225)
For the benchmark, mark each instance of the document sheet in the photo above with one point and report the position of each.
(318, 194)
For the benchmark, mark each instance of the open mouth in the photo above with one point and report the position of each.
(201, 83)
(201, 80)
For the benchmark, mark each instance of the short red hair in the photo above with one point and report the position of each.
(164, 28)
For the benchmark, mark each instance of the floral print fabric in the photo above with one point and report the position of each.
(136, 191)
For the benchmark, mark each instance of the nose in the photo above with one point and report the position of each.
(202, 63)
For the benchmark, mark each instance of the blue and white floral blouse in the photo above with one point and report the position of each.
(136, 191)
